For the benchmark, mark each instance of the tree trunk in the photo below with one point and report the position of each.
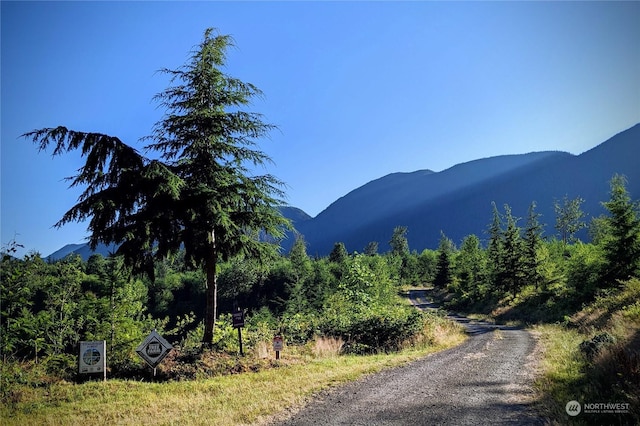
(212, 294)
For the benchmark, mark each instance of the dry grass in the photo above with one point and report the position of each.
(262, 349)
(560, 369)
(324, 347)
(440, 332)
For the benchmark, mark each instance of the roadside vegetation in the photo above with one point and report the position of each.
(582, 300)
(226, 399)
(594, 357)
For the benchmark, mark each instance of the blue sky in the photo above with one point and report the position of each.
(357, 89)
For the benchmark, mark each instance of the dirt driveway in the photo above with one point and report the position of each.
(484, 381)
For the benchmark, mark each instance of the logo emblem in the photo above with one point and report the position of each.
(91, 356)
(154, 349)
(573, 408)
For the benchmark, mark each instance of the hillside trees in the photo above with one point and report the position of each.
(19, 285)
(48, 307)
(531, 246)
(199, 193)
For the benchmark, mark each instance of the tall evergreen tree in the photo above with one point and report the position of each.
(371, 249)
(198, 193)
(399, 243)
(495, 247)
(470, 266)
(531, 244)
(400, 250)
(339, 253)
(300, 292)
(444, 272)
(511, 267)
(622, 245)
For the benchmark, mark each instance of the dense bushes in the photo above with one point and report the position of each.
(49, 307)
(368, 330)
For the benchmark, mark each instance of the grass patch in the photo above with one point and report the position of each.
(561, 370)
(224, 400)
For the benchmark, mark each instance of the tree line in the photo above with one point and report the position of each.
(556, 274)
(48, 307)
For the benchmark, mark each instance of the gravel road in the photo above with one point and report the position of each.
(486, 380)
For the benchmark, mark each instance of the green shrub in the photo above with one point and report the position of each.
(590, 348)
(225, 337)
(260, 327)
(298, 328)
(381, 328)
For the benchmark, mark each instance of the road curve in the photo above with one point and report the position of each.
(485, 380)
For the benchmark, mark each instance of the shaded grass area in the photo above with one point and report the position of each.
(233, 399)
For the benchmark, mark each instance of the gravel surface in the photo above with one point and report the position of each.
(486, 380)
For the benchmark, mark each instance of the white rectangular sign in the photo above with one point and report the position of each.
(93, 357)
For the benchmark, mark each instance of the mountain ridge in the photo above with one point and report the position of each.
(467, 209)
(458, 200)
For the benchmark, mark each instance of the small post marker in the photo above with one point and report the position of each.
(278, 344)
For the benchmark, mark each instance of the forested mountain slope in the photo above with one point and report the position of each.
(458, 200)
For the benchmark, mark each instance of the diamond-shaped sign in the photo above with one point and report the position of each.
(154, 349)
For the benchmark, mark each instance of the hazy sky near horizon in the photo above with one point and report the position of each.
(358, 90)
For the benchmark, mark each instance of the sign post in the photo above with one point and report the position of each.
(93, 358)
(153, 349)
(278, 345)
(238, 322)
